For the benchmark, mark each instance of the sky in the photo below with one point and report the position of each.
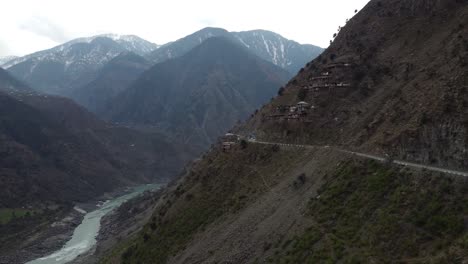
(27, 26)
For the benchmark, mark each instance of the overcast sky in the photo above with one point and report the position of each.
(31, 25)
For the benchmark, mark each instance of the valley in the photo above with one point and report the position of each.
(240, 146)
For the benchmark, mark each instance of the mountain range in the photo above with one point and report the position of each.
(160, 110)
(55, 151)
(111, 80)
(73, 65)
(268, 45)
(200, 95)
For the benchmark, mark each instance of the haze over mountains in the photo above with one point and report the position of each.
(97, 71)
(200, 95)
(111, 80)
(269, 46)
(55, 151)
(75, 63)
(192, 97)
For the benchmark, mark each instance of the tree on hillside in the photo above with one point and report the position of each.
(302, 94)
(281, 91)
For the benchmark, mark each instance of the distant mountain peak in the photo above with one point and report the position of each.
(201, 94)
(73, 64)
(273, 47)
(6, 59)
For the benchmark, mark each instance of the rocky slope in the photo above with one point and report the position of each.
(197, 97)
(268, 45)
(393, 81)
(73, 64)
(396, 84)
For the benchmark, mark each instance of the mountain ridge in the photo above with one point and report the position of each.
(209, 71)
(282, 52)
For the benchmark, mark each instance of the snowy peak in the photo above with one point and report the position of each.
(63, 68)
(281, 51)
(130, 43)
(268, 45)
(5, 59)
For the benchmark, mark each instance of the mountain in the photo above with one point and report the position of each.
(282, 52)
(393, 82)
(6, 59)
(111, 80)
(8, 84)
(131, 43)
(73, 64)
(270, 46)
(199, 96)
(55, 151)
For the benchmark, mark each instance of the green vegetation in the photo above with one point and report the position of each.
(8, 214)
(368, 212)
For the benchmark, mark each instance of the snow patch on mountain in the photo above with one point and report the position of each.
(5, 59)
(63, 53)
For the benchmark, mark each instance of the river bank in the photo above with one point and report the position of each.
(119, 225)
(25, 241)
(43, 239)
(84, 235)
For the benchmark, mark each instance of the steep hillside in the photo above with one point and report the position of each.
(112, 79)
(269, 46)
(393, 82)
(73, 64)
(55, 151)
(199, 96)
(278, 205)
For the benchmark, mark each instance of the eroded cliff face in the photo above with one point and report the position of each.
(393, 81)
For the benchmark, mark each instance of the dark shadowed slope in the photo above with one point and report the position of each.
(55, 151)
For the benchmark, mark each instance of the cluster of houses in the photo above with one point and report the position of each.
(229, 140)
(328, 82)
(327, 79)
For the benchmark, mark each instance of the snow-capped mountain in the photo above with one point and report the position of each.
(131, 43)
(60, 69)
(5, 59)
(268, 45)
(273, 47)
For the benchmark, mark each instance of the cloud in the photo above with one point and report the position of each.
(4, 49)
(44, 27)
(31, 25)
(207, 22)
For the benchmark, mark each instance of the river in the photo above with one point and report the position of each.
(84, 235)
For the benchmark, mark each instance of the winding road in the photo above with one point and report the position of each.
(373, 157)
